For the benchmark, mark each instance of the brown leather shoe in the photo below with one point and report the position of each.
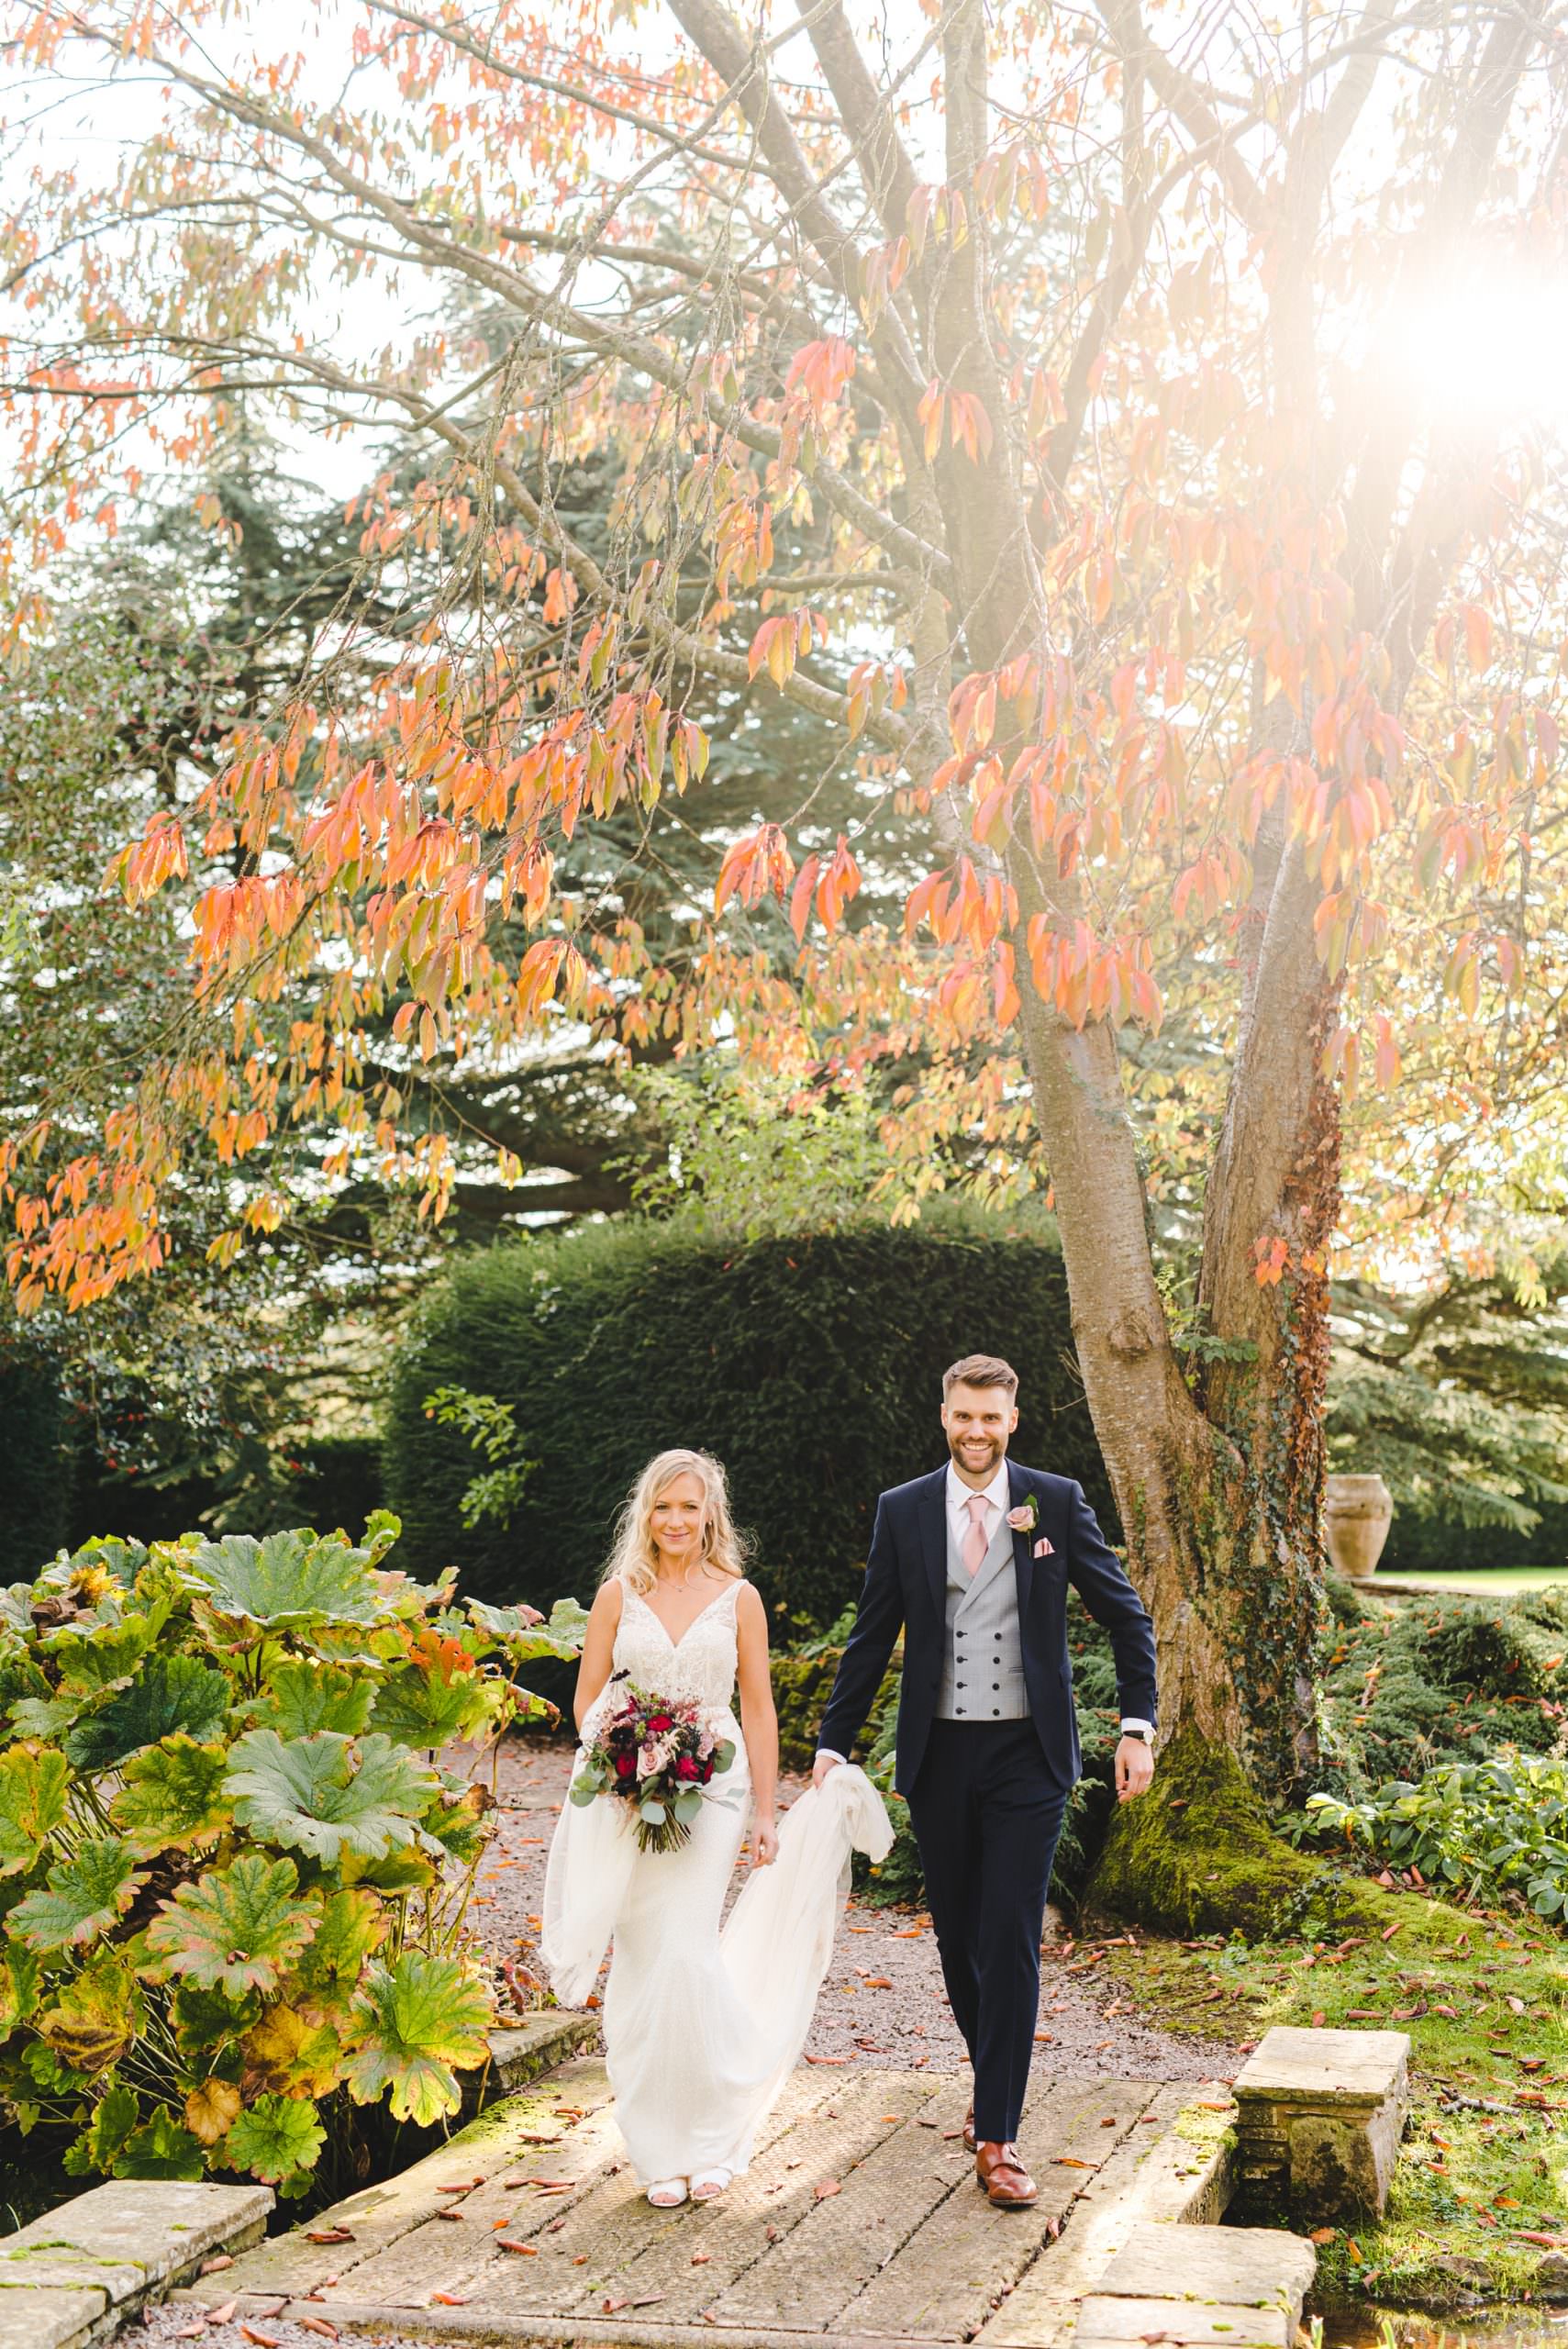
(969, 2131)
(1007, 2183)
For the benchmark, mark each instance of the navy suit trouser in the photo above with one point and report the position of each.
(986, 1813)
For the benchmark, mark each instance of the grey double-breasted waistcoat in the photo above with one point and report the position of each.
(982, 1666)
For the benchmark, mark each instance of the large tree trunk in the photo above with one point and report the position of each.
(1221, 1514)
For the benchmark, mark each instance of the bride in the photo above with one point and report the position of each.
(703, 2025)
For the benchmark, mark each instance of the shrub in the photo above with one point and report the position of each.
(810, 1364)
(232, 1875)
(1442, 1679)
(1482, 1828)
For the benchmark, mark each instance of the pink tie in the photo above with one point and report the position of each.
(975, 1542)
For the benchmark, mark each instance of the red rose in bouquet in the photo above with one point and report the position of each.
(658, 1753)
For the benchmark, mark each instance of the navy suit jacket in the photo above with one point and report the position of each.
(906, 1589)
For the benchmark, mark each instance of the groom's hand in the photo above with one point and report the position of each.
(820, 1768)
(1134, 1768)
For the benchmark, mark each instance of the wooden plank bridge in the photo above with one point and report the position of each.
(859, 2221)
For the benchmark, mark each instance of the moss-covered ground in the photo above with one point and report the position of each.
(1253, 1932)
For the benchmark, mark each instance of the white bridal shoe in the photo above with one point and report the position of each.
(711, 2183)
(667, 2193)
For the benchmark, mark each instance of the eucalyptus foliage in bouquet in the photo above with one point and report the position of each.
(233, 1870)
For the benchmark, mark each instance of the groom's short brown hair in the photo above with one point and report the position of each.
(979, 1370)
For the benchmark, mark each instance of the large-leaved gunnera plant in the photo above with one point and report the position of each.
(234, 1864)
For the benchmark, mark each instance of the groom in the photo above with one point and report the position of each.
(972, 1562)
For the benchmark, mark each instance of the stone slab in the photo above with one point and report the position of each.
(98, 2257)
(1252, 2266)
(45, 2317)
(1319, 2067)
(524, 2051)
(1204, 2325)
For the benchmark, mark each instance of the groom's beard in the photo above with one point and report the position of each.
(975, 1465)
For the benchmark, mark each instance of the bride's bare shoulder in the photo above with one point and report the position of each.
(609, 1600)
(748, 1603)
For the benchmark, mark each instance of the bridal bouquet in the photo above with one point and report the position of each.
(658, 1753)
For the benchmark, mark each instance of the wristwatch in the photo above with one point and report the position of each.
(1143, 1733)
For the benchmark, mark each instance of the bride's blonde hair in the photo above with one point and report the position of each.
(633, 1558)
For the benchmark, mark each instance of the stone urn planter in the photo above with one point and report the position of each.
(1357, 1513)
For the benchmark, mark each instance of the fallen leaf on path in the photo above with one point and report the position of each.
(1323, 2234)
(262, 2340)
(649, 2300)
(613, 2308)
(773, 2234)
(701, 2258)
(223, 2315)
(1319, 2018)
(523, 2250)
(455, 2216)
(1070, 2161)
(878, 1982)
(1389, 1930)
(826, 2059)
(328, 2234)
(318, 2324)
(825, 2187)
(449, 2300)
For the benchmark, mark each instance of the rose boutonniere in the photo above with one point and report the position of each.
(1025, 1517)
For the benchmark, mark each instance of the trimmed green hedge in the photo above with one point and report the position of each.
(35, 1441)
(810, 1364)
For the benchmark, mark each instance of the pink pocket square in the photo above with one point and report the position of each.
(1044, 1549)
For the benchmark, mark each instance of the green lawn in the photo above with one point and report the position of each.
(1485, 1579)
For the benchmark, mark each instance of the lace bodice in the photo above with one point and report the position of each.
(700, 1664)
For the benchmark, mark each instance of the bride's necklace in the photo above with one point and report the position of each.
(686, 1581)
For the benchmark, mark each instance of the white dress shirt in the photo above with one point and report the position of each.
(994, 1495)
(960, 1518)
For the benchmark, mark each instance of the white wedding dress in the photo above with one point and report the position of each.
(702, 2026)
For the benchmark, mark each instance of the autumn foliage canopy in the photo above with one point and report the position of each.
(1121, 433)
